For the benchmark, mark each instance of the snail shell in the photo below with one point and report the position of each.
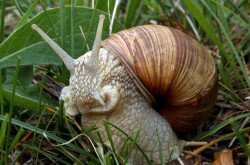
(172, 70)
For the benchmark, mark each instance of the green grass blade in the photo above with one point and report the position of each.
(49, 135)
(10, 114)
(160, 148)
(16, 139)
(218, 127)
(89, 29)
(132, 146)
(106, 125)
(61, 117)
(131, 139)
(50, 21)
(44, 133)
(46, 128)
(41, 93)
(2, 136)
(242, 140)
(27, 14)
(230, 93)
(65, 152)
(65, 72)
(72, 27)
(2, 20)
(203, 21)
(231, 46)
(1, 93)
(70, 155)
(19, 155)
(131, 12)
(222, 17)
(52, 157)
(244, 41)
(40, 110)
(35, 134)
(63, 23)
(18, 6)
(243, 21)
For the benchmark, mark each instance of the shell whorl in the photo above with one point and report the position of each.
(172, 67)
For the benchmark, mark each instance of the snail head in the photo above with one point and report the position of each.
(84, 80)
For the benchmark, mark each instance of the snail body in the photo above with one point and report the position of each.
(125, 107)
(116, 83)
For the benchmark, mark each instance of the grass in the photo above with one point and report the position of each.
(10, 114)
(46, 135)
(2, 20)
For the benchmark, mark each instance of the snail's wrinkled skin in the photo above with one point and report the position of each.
(123, 106)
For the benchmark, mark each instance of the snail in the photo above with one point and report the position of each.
(129, 75)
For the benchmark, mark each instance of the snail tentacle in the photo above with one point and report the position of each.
(93, 61)
(68, 61)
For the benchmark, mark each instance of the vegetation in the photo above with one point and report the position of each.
(34, 129)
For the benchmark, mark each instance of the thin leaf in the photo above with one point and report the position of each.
(3, 134)
(132, 13)
(44, 133)
(10, 114)
(203, 21)
(2, 20)
(131, 139)
(106, 125)
(16, 139)
(243, 21)
(231, 46)
(72, 22)
(27, 14)
(49, 155)
(18, 7)
(132, 146)
(242, 140)
(1, 92)
(212, 131)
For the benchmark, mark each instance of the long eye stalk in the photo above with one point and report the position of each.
(68, 61)
(94, 59)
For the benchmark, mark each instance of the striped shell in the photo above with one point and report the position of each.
(172, 67)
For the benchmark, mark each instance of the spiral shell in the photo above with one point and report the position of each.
(171, 67)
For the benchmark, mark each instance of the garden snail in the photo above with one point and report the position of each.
(136, 69)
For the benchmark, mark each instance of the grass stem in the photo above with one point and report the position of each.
(7, 148)
(2, 20)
